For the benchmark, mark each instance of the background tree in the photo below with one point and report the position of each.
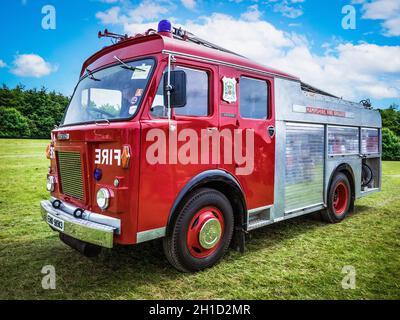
(41, 109)
(391, 118)
(390, 145)
(13, 124)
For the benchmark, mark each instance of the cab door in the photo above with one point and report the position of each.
(251, 115)
(160, 183)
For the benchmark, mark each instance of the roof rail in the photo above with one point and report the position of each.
(309, 88)
(181, 34)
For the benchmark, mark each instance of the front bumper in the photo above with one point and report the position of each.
(84, 229)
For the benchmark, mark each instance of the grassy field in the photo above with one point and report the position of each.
(298, 259)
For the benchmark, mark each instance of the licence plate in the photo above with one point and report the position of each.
(55, 222)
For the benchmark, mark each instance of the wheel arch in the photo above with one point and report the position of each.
(215, 179)
(346, 169)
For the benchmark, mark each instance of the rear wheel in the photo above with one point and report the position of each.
(201, 233)
(339, 199)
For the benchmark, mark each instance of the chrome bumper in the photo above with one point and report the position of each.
(93, 228)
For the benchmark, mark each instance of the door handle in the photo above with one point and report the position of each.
(212, 129)
(271, 131)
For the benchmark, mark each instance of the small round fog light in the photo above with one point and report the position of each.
(103, 198)
(51, 181)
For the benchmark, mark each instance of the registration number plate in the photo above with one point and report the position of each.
(55, 222)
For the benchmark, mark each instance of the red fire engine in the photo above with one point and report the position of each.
(170, 136)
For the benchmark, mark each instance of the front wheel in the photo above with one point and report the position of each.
(202, 231)
(339, 199)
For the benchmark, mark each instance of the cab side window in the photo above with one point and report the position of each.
(253, 98)
(197, 91)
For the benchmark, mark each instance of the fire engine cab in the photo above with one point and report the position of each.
(170, 136)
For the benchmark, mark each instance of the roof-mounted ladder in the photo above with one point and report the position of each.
(179, 33)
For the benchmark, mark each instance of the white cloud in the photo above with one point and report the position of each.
(252, 13)
(147, 10)
(348, 70)
(380, 9)
(2, 64)
(386, 10)
(189, 4)
(250, 38)
(144, 11)
(31, 65)
(286, 8)
(353, 71)
(392, 27)
(111, 16)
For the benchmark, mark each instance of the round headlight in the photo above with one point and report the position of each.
(51, 181)
(103, 198)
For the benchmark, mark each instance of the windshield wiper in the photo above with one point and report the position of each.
(91, 76)
(126, 66)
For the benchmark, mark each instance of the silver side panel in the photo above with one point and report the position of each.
(289, 100)
(290, 104)
(304, 166)
(278, 209)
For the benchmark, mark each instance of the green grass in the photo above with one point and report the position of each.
(297, 259)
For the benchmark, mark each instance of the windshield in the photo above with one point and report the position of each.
(112, 93)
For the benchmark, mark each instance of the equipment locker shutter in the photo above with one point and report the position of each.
(304, 166)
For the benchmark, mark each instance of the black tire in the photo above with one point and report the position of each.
(175, 243)
(336, 213)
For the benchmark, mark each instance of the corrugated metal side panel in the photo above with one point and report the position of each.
(304, 172)
(369, 140)
(343, 140)
(70, 170)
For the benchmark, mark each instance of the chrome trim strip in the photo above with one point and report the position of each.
(303, 124)
(90, 216)
(300, 213)
(150, 234)
(255, 210)
(84, 230)
(305, 208)
(368, 192)
(191, 56)
(259, 224)
(343, 155)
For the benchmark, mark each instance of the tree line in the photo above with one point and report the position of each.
(30, 113)
(33, 113)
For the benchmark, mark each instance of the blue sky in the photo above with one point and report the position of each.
(302, 37)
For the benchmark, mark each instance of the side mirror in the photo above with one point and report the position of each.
(177, 89)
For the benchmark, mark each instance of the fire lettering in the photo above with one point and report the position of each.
(107, 156)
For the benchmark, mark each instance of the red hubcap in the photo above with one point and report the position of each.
(205, 232)
(340, 198)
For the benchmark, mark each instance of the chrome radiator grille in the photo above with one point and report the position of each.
(69, 166)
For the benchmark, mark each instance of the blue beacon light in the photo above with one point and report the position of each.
(97, 174)
(164, 26)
